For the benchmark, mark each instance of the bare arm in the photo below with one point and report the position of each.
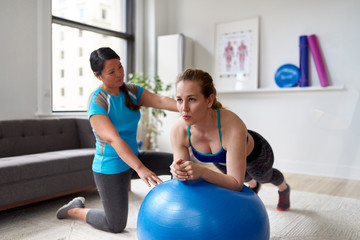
(149, 99)
(180, 150)
(235, 144)
(195, 171)
(107, 132)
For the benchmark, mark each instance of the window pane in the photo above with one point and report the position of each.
(66, 62)
(108, 14)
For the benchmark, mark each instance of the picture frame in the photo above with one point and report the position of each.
(237, 55)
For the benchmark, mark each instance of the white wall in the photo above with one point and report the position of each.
(25, 62)
(315, 132)
(18, 58)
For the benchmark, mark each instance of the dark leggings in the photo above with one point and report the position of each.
(259, 163)
(114, 192)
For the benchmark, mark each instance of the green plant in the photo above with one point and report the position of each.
(151, 117)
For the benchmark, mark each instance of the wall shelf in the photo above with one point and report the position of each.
(290, 89)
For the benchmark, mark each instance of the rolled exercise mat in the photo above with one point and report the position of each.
(319, 63)
(304, 62)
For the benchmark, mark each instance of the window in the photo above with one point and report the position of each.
(78, 28)
(81, 13)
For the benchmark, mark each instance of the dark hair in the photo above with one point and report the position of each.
(97, 62)
(205, 81)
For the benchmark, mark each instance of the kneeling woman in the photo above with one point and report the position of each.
(219, 136)
(114, 113)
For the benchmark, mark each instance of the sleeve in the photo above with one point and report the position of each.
(99, 104)
(135, 91)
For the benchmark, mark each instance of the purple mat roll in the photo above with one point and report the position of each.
(318, 60)
(304, 62)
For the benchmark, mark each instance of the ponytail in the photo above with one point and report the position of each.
(128, 101)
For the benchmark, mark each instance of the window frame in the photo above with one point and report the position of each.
(128, 35)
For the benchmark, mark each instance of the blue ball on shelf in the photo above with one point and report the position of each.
(287, 75)
(201, 210)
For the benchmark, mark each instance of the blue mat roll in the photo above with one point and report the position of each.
(304, 62)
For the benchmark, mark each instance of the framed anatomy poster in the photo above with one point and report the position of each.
(237, 55)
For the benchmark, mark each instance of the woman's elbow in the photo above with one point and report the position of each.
(238, 188)
(238, 185)
(111, 140)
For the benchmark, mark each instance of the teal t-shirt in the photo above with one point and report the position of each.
(125, 120)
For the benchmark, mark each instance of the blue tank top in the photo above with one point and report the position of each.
(219, 157)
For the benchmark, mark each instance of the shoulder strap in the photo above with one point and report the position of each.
(219, 124)
(188, 130)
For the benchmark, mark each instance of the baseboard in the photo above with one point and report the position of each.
(318, 169)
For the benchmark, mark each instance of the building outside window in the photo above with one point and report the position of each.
(80, 52)
(78, 28)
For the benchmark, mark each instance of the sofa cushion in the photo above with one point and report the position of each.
(29, 136)
(32, 166)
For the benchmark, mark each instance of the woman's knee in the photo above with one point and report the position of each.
(261, 175)
(118, 227)
(277, 177)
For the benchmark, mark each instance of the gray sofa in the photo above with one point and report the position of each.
(44, 158)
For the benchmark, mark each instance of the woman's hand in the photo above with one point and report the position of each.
(185, 170)
(148, 176)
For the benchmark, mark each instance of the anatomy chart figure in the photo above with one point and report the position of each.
(228, 53)
(242, 53)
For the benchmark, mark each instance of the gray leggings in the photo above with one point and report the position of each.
(259, 164)
(114, 192)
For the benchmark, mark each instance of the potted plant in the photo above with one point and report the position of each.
(150, 117)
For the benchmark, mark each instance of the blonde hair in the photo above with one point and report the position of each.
(205, 82)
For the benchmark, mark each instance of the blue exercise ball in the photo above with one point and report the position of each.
(201, 210)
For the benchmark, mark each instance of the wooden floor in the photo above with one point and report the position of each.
(324, 185)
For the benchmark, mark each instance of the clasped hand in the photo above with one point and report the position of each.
(185, 170)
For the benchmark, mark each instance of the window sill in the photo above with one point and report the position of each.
(62, 115)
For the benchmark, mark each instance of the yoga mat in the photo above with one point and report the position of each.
(304, 62)
(318, 60)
